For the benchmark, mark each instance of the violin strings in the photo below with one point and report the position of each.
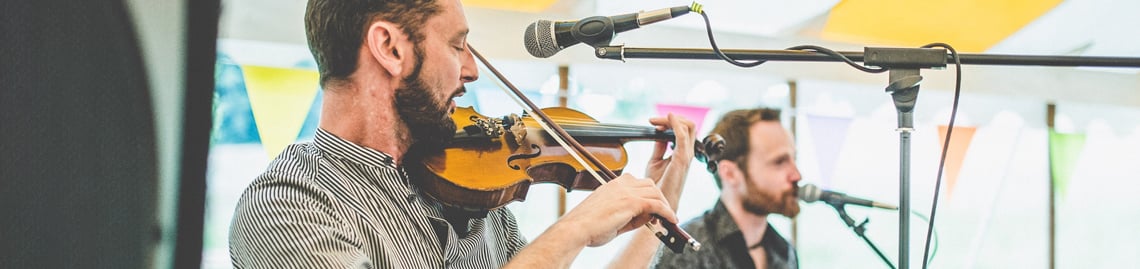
(570, 127)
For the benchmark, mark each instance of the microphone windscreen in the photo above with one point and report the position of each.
(809, 193)
(539, 39)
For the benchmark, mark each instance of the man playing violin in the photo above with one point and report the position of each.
(757, 177)
(390, 71)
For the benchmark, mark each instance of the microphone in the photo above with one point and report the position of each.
(544, 38)
(810, 193)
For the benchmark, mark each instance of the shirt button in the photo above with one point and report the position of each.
(411, 197)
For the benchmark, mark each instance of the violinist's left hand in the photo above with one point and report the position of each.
(669, 173)
(676, 165)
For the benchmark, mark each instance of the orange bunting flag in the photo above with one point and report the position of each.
(959, 142)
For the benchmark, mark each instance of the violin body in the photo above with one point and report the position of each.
(513, 134)
(487, 167)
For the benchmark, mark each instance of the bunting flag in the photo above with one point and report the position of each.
(1064, 151)
(955, 154)
(280, 99)
(693, 113)
(233, 118)
(828, 134)
(970, 25)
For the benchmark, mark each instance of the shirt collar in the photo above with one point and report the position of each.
(344, 149)
(726, 230)
(724, 226)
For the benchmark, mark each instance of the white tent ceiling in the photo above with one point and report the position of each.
(1074, 27)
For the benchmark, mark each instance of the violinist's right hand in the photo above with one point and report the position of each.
(623, 204)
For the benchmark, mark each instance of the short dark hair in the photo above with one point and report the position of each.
(734, 127)
(335, 29)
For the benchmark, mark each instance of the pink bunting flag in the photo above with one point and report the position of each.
(693, 113)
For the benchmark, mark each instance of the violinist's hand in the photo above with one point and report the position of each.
(623, 204)
(677, 165)
(669, 172)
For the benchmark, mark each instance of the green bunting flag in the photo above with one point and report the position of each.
(1064, 151)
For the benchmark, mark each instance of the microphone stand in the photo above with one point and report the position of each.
(903, 65)
(859, 229)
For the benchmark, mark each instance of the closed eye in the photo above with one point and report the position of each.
(782, 160)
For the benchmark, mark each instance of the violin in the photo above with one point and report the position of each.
(493, 161)
(527, 155)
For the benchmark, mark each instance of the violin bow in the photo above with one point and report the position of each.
(673, 236)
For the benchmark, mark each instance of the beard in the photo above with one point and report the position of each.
(428, 119)
(758, 202)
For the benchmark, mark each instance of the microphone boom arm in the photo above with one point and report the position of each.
(622, 53)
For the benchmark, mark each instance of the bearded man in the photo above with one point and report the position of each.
(757, 177)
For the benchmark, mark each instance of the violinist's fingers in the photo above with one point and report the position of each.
(636, 222)
(647, 209)
(679, 122)
(662, 123)
(671, 121)
(652, 200)
(659, 150)
(659, 127)
(683, 131)
(662, 208)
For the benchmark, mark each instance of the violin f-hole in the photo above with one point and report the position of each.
(537, 152)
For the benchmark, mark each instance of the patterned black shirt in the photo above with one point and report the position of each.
(334, 204)
(724, 245)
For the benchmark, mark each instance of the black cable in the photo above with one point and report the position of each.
(945, 145)
(818, 49)
(837, 55)
(708, 28)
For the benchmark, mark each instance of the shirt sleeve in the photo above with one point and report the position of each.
(280, 223)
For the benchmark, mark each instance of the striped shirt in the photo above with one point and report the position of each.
(334, 204)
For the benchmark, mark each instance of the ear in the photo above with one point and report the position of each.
(388, 46)
(729, 173)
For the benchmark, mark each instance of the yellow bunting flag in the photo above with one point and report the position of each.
(968, 25)
(280, 99)
(513, 5)
(959, 142)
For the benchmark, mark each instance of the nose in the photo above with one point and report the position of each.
(469, 71)
(795, 176)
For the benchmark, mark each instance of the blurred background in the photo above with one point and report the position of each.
(1005, 159)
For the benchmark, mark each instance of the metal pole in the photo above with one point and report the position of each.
(904, 197)
(903, 87)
